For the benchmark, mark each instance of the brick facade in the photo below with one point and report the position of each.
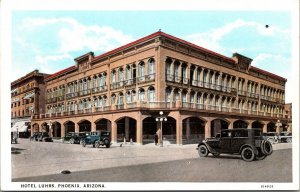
(199, 92)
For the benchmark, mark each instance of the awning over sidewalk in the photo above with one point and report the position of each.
(29, 96)
(20, 126)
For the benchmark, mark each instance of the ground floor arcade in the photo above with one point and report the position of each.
(180, 127)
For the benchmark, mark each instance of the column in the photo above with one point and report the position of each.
(201, 78)
(113, 132)
(195, 76)
(93, 128)
(207, 129)
(139, 131)
(230, 126)
(188, 130)
(76, 127)
(62, 131)
(127, 128)
(265, 127)
(179, 130)
(250, 124)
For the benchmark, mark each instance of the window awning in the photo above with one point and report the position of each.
(14, 90)
(29, 95)
(20, 126)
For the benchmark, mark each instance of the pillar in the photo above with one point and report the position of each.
(113, 132)
(62, 131)
(127, 128)
(179, 130)
(93, 128)
(188, 130)
(265, 127)
(139, 131)
(76, 127)
(207, 129)
(230, 126)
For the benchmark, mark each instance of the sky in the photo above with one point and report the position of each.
(50, 40)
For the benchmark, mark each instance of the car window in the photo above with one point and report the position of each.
(225, 134)
(105, 134)
(240, 133)
(257, 133)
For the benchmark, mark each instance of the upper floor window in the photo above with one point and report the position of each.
(151, 65)
(141, 69)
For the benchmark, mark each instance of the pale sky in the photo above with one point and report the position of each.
(50, 40)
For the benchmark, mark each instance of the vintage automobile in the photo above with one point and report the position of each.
(285, 137)
(97, 138)
(41, 136)
(74, 137)
(249, 143)
(271, 136)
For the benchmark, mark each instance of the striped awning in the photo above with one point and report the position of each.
(20, 126)
(29, 95)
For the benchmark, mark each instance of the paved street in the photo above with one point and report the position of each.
(143, 163)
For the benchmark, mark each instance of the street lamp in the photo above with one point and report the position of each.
(161, 118)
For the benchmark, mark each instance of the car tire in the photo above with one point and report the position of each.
(266, 147)
(260, 155)
(289, 140)
(248, 154)
(83, 144)
(203, 151)
(97, 144)
(71, 141)
(107, 143)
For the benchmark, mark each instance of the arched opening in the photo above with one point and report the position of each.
(257, 124)
(69, 127)
(126, 128)
(103, 124)
(193, 130)
(45, 127)
(56, 126)
(240, 124)
(149, 130)
(84, 126)
(217, 125)
(35, 127)
(271, 127)
(169, 130)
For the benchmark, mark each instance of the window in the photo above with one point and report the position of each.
(142, 95)
(151, 94)
(151, 65)
(168, 95)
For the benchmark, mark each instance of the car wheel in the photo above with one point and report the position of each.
(276, 141)
(71, 141)
(260, 155)
(289, 140)
(248, 154)
(83, 144)
(106, 143)
(266, 147)
(203, 151)
(97, 144)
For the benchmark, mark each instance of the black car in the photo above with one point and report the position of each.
(97, 138)
(285, 137)
(44, 136)
(249, 143)
(74, 137)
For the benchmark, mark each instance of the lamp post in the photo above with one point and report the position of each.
(161, 118)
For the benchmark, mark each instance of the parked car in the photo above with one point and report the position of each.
(285, 137)
(44, 136)
(74, 137)
(97, 138)
(35, 136)
(249, 143)
(271, 136)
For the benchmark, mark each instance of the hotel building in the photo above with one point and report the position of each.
(199, 92)
(27, 99)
